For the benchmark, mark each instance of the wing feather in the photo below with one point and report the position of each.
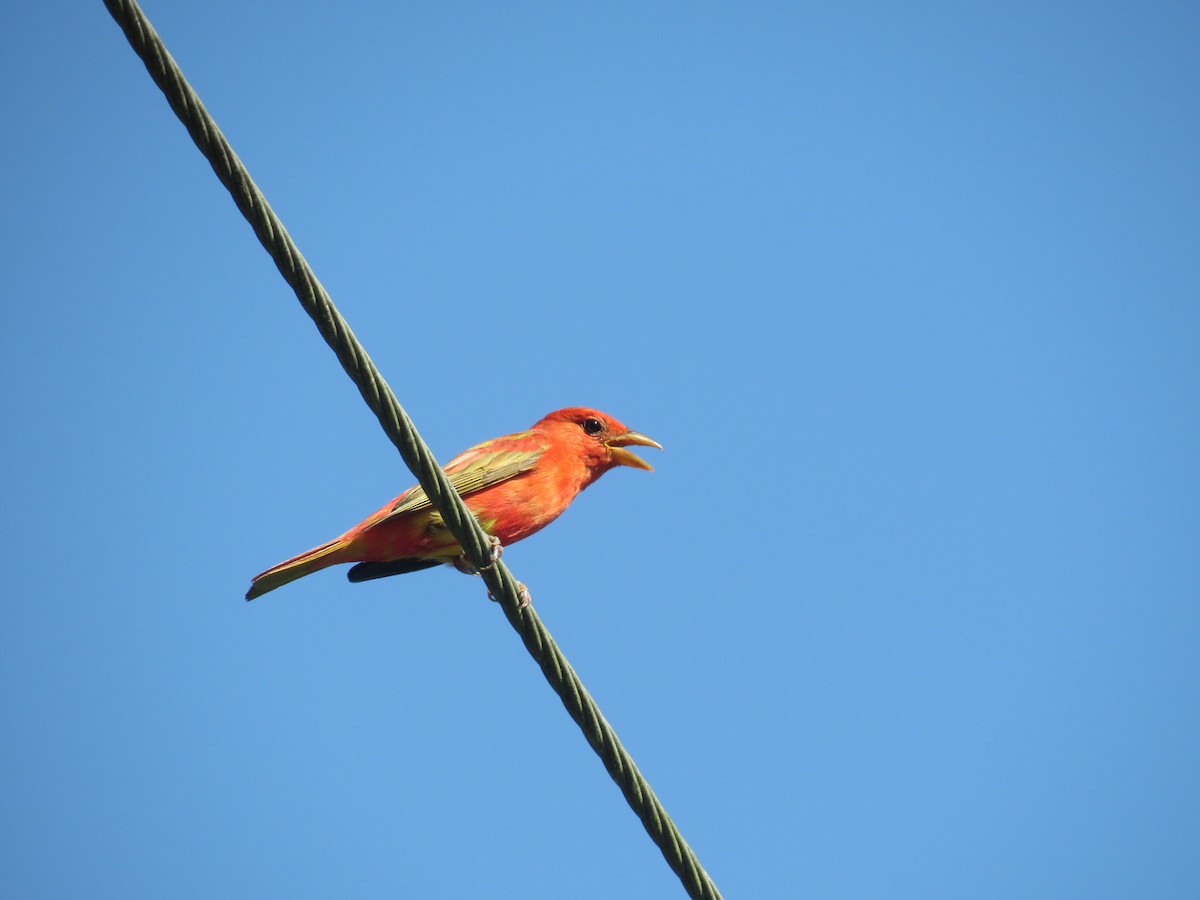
(470, 472)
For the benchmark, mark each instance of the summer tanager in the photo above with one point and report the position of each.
(515, 485)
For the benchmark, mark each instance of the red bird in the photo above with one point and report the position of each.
(515, 485)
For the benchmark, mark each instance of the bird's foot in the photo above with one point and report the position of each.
(522, 593)
(467, 567)
(495, 552)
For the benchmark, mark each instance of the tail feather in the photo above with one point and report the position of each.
(365, 571)
(297, 567)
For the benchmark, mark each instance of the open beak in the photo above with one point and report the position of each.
(623, 457)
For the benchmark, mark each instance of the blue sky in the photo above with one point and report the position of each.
(911, 297)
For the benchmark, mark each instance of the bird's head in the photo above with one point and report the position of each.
(599, 438)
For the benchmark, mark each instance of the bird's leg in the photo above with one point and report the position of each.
(467, 567)
(464, 565)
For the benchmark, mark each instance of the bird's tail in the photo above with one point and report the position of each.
(297, 567)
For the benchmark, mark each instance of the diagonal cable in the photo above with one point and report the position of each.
(417, 456)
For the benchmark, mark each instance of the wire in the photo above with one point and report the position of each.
(416, 454)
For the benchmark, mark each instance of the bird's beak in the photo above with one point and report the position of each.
(623, 457)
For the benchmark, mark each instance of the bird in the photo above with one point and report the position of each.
(514, 485)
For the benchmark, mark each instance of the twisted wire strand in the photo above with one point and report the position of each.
(415, 453)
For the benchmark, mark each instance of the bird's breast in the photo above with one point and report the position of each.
(524, 505)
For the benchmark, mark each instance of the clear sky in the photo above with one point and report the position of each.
(910, 293)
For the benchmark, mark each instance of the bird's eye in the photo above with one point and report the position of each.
(592, 426)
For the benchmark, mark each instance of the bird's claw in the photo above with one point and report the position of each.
(495, 551)
(522, 593)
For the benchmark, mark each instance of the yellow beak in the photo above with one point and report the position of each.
(623, 457)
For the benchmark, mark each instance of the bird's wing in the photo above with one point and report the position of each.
(472, 471)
